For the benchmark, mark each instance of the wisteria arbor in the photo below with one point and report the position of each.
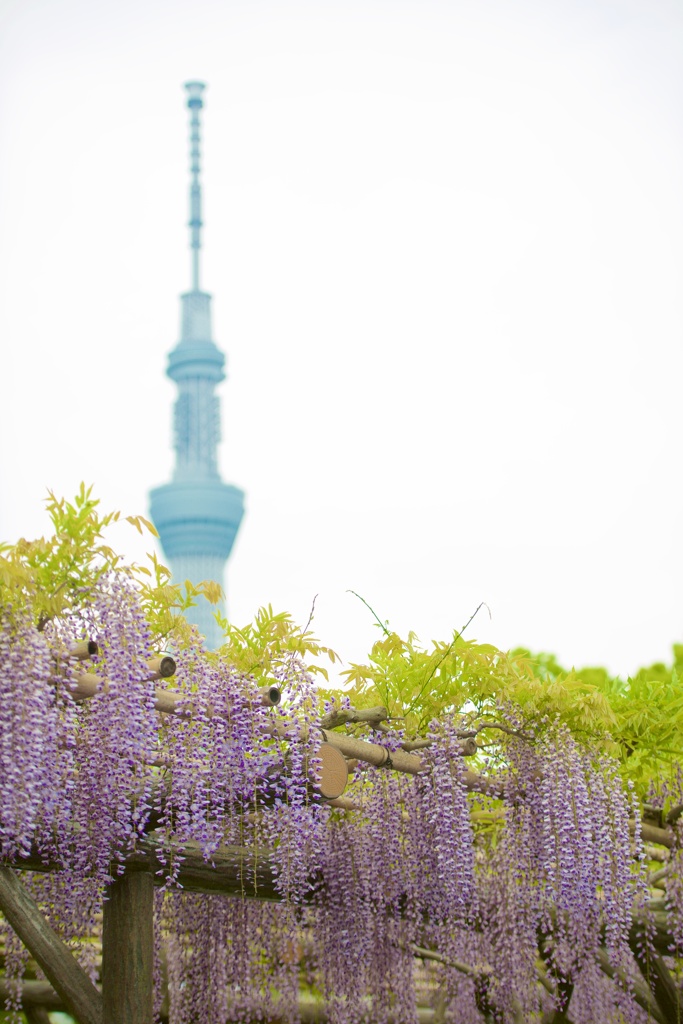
(460, 835)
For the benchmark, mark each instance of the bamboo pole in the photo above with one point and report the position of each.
(374, 753)
(342, 716)
(344, 803)
(167, 701)
(65, 974)
(174, 703)
(402, 760)
(80, 652)
(656, 853)
(430, 954)
(89, 683)
(128, 950)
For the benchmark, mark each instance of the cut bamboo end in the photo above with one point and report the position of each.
(162, 668)
(333, 772)
(270, 696)
(85, 649)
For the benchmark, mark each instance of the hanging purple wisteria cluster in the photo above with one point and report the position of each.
(493, 889)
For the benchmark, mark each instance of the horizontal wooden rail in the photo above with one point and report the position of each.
(311, 1010)
(233, 870)
(34, 993)
(652, 834)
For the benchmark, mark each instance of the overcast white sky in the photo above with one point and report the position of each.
(445, 244)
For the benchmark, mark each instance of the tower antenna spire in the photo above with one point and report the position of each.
(195, 104)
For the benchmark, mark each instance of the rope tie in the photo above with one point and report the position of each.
(387, 762)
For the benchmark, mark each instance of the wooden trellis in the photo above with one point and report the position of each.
(126, 995)
(128, 940)
(127, 935)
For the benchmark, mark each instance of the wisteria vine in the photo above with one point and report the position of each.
(484, 902)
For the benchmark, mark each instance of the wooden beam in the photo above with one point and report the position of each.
(128, 950)
(652, 834)
(653, 926)
(78, 994)
(311, 1010)
(233, 870)
(642, 993)
(34, 993)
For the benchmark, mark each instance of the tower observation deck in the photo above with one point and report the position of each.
(197, 515)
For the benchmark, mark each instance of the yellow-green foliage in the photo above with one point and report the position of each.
(639, 719)
(418, 684)
(51, 575)
(55, 575)
(260, 646)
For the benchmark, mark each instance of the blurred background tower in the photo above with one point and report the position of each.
(197, 515)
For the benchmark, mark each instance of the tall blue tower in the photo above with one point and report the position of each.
(197, 515)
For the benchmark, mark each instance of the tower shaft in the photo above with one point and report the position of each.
(197, 515)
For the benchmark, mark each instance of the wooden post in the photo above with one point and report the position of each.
(80, 997)
(36, 1015)
(128, 950)
(664, 989)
